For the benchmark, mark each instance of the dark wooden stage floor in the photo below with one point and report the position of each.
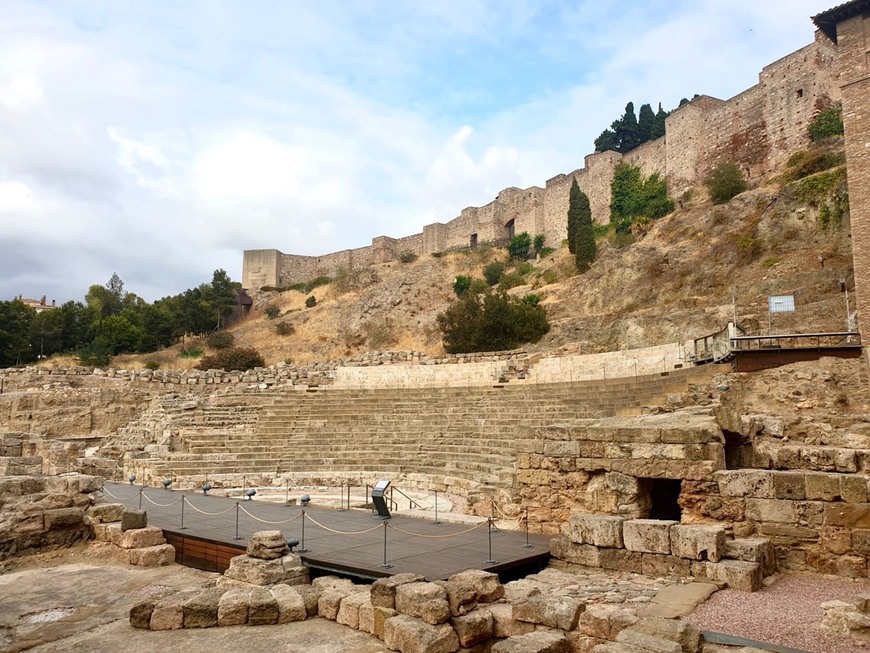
(344, 541)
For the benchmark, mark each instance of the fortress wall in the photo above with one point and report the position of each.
(758, 129)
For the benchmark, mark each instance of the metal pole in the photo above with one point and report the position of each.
(489, 560)
(237, 536)
(385, 564)
(183, 527)
(287, 495)
(141, 489)
(303, 549)
(436, 509)
(527, 545)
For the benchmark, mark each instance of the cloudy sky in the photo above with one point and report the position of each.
(159, 139)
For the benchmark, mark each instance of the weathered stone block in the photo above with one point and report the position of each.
(755, 549)
(605, 621)
(310, 595)
(367, 617)
(168, 612)
(348, 611)
(380, 616)
(201, 611)
(822, 487)
(427, 601)
(411, 635)
(473, 628)
(291, 607)
(384, 589)
(140, 614)
(255, 571)
(152, 556)
(745, 483)
(851, 515)
(330, 602)
(656, 564)
(503, 622)
(263, 608)
(648, 535)
(461, 596)
(537, 642)
(63, 518)
(853, 489)
(267, 545)
(674, 630)
(861, 541)
(789, 485)
(771, 510)
(486, 585)
(634, 639)
(233, 607)
(554, 611)
(103, 513)
(621, 559)
(598, 530)
(133, 519)
(579, 554)
(698, 542)
(744, 576)
(836, 539)
(137, 538)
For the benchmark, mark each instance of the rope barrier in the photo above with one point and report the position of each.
(105, 490)
(332, 530)
(210, 514)
(161, 505)
(437, 537)
(265, 521)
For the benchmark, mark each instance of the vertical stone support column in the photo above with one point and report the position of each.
(853, 62)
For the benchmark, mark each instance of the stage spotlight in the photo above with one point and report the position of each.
(132, 478)
(206, 487)
(249, 493)
(166, 483)
(292, 543)
(304, 500)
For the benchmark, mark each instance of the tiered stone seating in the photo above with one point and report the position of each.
(449, 438)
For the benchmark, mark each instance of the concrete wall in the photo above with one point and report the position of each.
(757, 129)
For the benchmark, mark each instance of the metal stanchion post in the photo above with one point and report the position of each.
(141, 490)
(527, 545)
(385, 564)
(489, 560)
(287, 494)
(237, 536)
(303, 549)
(183, 527)
(436, 509)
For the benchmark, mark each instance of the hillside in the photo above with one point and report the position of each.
(677, 280)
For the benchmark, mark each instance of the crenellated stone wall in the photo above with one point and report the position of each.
(758, 129)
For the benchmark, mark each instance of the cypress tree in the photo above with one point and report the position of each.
(584, 245)
(645, 121)
(574, 215)
(658, 128)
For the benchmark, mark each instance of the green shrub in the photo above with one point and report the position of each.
(152, 365)
(805, 163)
(829, 122)
(724, 182)
(380, 332)
(95, 354)
(221, 340)
(538, 243)
(532, 299)
(632, 196)
(520, 246)
(493, 272)
(239, 358)
(524, 268)
(407, 256)
(284, 329)
(478, 286)
(311, 302)
(461, 284)
(511, 280)
(545, 251)
(272, 311)
(191, 353)
(490, 321)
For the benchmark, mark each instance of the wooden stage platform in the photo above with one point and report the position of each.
(212, 529)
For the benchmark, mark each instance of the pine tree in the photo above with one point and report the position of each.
(584, 239)
(574, 202)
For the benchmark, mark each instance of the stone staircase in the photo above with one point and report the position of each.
(449, 439)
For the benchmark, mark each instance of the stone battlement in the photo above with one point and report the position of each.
(757, 129)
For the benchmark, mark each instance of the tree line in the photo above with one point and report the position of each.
(113, 321)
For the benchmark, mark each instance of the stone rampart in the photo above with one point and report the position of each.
(758, 129)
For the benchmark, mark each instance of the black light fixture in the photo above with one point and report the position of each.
(304, 500)
(166, 483)
(131, 478)
(249, 493)
(292, 543)
(206, 487)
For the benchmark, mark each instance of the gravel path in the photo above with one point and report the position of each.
(788, 613)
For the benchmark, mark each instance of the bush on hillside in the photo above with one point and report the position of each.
(491, 321)
(724, 182)
(237, 358)
(407, 256)
(311, 302)
(221, 340)
(492, 272)
(520, 246)
(461, 284)
(829, 122)
(284, 329)
(272, 311)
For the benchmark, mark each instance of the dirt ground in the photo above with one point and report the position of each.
(72, 600)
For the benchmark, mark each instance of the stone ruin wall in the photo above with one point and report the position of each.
(758, 129)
